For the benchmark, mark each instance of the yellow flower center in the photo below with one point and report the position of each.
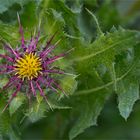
(28, 66)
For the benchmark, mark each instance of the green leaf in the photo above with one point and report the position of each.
(4, 118)
(87, 106)
(16, 103)
(9, 33)
(3, 81)
(29, 13)
(127, 88)
(103, 51)
(128, 94)
(69, 84)
(4, 123)
(107, 46)
(5, 4)
(37, 110)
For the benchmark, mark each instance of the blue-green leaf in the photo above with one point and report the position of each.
(128, 94)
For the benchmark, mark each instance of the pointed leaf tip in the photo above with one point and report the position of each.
(128, 94)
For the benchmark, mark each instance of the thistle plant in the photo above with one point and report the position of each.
(31, 67)
(105, 63)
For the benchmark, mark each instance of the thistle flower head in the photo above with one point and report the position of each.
(28, 66)
(31, 67)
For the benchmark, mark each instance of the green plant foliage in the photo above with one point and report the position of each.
(36, 112)
(88, 106)
(16, 103)
(128, 93)
(4, 120)
(104, 61)
(6, 4)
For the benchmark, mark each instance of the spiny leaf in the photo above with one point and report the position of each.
(88, 106)
(107, 85)
(16, 103)
(102, 51)
(128, 88)
(36, 112)
(69, 84)
(9, 33)
(128, 94)
(107, 46)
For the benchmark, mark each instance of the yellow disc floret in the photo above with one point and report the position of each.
(28, 66)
